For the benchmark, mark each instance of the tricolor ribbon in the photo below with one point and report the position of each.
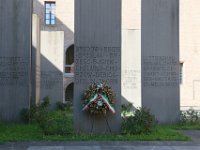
(96, 98)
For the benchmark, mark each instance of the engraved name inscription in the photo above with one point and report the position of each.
(51, 79)
(14, 71)
(130, 78)
(97, 64)
(160, 71)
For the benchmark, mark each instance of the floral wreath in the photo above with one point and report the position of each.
(98, 99)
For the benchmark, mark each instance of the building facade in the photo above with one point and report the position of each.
(190, 53)
(61, 12)
(58, 16)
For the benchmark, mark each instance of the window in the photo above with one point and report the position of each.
(181, 73)
(50, 18)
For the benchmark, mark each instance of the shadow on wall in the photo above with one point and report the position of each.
(51, 82)
(35, 77)
(51, 77)
(125, 101)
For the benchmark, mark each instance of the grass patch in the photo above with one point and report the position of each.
(11, 132)
(186, 126)
(19, 132)
(24, 132)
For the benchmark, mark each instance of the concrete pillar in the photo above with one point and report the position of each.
(160, 59)
(15, 52)
(35, 59)
(97, 45)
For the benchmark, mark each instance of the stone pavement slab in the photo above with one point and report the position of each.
(108, 145)
(114, 148)
(193, 134)
(117, 145)
(46, 148)
(64, 148)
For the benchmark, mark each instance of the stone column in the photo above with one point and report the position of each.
(35, 59)
(160, 59)
(15, 52)
(97, 58)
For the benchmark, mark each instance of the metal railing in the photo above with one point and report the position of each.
(69, 71)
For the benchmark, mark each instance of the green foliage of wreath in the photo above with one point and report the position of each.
(98, 107)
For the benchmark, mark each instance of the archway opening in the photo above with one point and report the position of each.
(69, 60)
(69, 93)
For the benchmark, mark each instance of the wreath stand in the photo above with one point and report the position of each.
(98, 95)
(106, 121)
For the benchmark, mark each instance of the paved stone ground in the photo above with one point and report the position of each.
(101, 146)
(194, 134)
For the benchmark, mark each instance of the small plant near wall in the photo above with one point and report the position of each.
(64, 106)
(126, 110)
(142, 122)
(36, 113)
(190, 116)
(50, 122)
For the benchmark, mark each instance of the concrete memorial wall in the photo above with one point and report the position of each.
(52, 66)
(97, 59)
(160, 59)
(35, 96)
(15, 52)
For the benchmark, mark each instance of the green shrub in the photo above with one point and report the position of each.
(42, 112)
(64, 106)
(36, 114)
(45, 103)
(126, 109)
(24, 114)
(143, 122)
(58, 123)
(190, 116)
(51, 123)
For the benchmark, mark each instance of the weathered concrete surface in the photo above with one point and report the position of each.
(15, 52)
(131, 67)
(160, 59)
(52, 60)
(97, 58)
(35, 96)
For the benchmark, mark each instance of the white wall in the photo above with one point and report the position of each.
(52, 61)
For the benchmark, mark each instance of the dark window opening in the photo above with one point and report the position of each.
(69, 93)
(181, 73)
(69, 60)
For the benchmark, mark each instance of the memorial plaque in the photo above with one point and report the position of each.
(52, 55)
(160, 59)
(97, 59)
(15, 52)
